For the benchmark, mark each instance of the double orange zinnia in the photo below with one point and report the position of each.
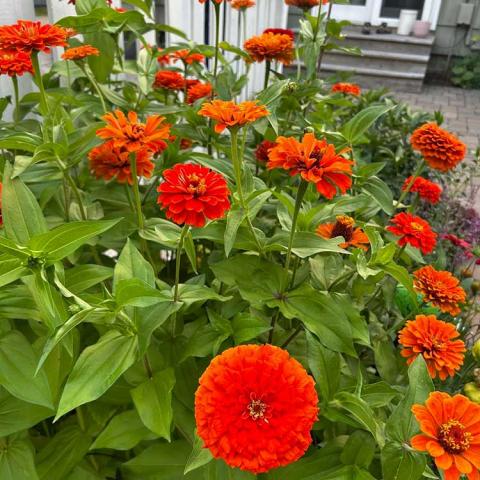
(346, 88)
(316, 161)
(413, 231)
(427, 190)
(187, 56)
(79, 53)
(255, 407)
(440, 288)
(344, 227)
(436, 341)
(127, 132)
(228, 114)
(242, 4)
(450, 434)
(440, 149)
(28, 36)
(271, 47)
(169, 80)
(198, 91)
(15, 63)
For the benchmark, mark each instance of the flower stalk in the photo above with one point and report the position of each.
(38, 79)
(16, 114)
(416, 174)
(178, 258)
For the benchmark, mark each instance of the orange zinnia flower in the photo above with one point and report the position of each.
(440, 288)
(255, 407)
(191, 194)
(78, 53)
(242, 4)
(347, 88)
(30, 36)
(440, 149)
(133, 135)
(270, 46)
(427, 190)
(15, 63)
(435, 341)
(198, 91)
(344, 227)
(229, 114)
(186, 56)
(107, 162)
(414, 231)
(163, 58)
(450, 434)
(305, 4)
(169, 80)
(316, 161)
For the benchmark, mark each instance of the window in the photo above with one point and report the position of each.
(391, 8)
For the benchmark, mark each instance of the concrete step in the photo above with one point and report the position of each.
(372, 72)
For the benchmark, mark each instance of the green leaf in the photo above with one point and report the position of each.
(22, 216)
(17, 459)
(325, 366)
(246, 327)
(354, 129)
(101, 65)
(131, 264)
(11, 270)
(153, 401)
(189, 294)
(82, 277)
(17, 374)
(13, 250)
(398, 463)
(17, 415)
(62, 453)
(124, 432)
(235, 217)
(199, 455)
(65, 239)
(401, 275)
(380, 192)
(97, 369)
(401, 425)
(316, 311)
(135, 292)
(359, 449)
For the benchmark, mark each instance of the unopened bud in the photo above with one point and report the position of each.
(476, 351)
(475, 287)
(467, 273)
(472, 392)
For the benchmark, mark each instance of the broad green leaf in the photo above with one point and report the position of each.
(123, 432)
(400, 463)
(199, 455)
(82, 277)
(11, 270)
(246, 327)
(359, 449)
(401, 275)
(13, 250)
(17, 459)
(401, 425)
(136, 293)
(97, 369)
(153, 401)
(354, 129)
(325, 366)
(189, 294)
(235, 218)
(101, 65)
(62, 453)
(65, 239)
(22, 216)
(380, 192)
(17, 373)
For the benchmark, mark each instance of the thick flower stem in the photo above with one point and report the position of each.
(267, 73)
(217, 41)
(38, 79)
(16, 115)
(416, 174)
(178, 258)
(322, 48)
(237, 168)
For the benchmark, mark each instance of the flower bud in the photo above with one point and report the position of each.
(475, 287)
(476, 351)
(467, 273)
(472, 392)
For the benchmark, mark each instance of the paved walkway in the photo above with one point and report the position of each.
(461, 109)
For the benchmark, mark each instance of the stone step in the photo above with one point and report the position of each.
(372, 71)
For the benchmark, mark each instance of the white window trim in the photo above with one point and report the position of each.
(431, 11)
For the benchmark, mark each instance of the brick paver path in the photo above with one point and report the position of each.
(461, 109)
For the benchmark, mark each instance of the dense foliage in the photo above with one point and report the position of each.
(186, 276)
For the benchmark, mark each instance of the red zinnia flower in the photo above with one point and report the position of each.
(414, 231)
(347, 88)
(163, 58)
(198, 91)
(426, 189)
(107, 162)
(78, 53)
(344, 227)
(186, 56)
(316, 161)
(15, 63)
(255, 407)
(169, 80)
(440, 149)
(191, 194)
(281, 31)
(450, 434)
(458, 242)
(435, 341)
(128, 132)
(440, 288)
(305, 4)
(229, 114)
(30, 36)
(262, 150)
(271, 47)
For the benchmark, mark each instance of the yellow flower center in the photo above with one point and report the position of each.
(416, 226)
(343, 227)
(453, 437)
(257, 409)
(197, 185)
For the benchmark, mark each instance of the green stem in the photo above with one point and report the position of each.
(237, 168)
(418, 171)
(291, 337)
(322, 49)
(136, 191)
(147, 365)
(178, 258)
(16, 115)
(38, 79)
(185, 90)
(95, 85)
(217, 41)
(150, 189)
(267, 73)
